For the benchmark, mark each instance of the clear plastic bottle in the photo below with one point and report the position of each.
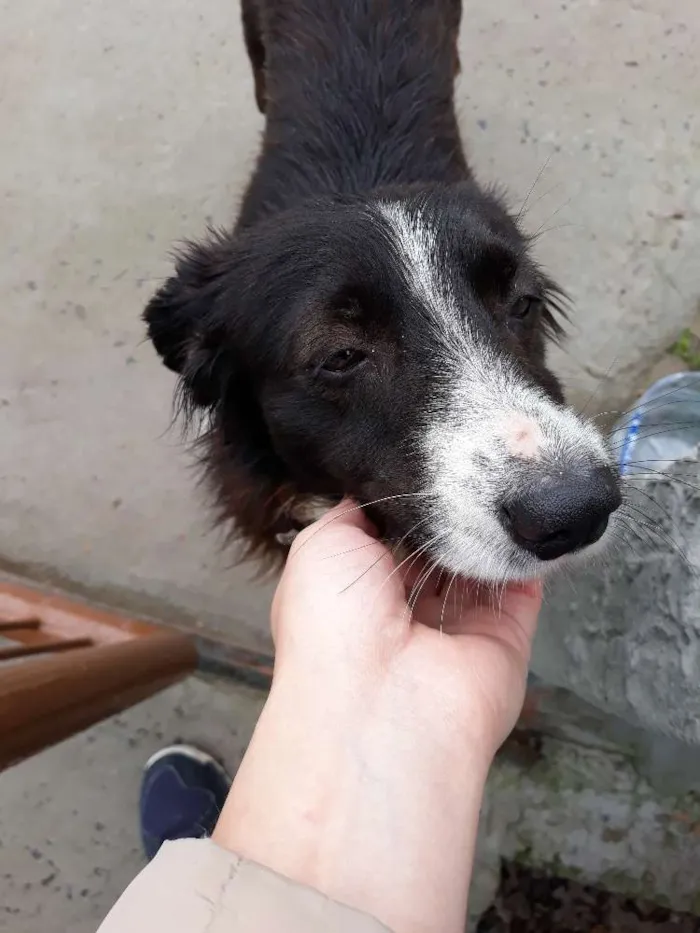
(662, 427)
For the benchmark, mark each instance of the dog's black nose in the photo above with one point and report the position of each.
(562, 512)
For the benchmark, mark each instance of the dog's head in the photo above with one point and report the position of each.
(390, 348)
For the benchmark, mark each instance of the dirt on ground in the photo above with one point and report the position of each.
(529, 902)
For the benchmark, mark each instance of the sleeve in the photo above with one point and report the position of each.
(194, 886)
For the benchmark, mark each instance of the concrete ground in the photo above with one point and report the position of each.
(130, 126)
(69, 833)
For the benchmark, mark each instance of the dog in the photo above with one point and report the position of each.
(375, 325)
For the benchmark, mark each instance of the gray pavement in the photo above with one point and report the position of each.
(69, 834)
(130, 126)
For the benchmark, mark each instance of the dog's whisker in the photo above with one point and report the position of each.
(643, 533)
(393, 548)
(551, 217)
(540, 197)
(553, 229)
(384, 554)
(630, 487)
(324, 522)
(438, 583)
(412, 556)
(412, 601)
(654, 528)
(539, 175)
(600, 382)
(649, 473)
(674, 423)
(643, 460)
(352, 550)
(444, 602)
(679, 424)
(652, 404)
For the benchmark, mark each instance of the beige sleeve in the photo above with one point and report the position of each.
(194, 886)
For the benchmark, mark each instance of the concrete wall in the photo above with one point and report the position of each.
(625, 635)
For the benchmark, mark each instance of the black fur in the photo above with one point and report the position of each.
(358, 98)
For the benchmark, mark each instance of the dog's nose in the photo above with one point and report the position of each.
(562, 512)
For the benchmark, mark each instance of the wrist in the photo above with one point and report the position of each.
(359, 796)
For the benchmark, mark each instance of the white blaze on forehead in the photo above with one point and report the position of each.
(416, 242)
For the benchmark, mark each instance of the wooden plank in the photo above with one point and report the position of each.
(218, 655)
(49, 699)
(227, 659)
(67, 618)
(13, 625)
(49, 647)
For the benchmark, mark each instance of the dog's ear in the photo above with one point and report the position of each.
(185, 320)
(202, 325)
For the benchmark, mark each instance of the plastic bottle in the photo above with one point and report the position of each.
(662, 427)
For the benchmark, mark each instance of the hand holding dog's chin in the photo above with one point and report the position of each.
(366, 770)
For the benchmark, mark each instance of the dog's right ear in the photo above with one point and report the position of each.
(207, 324)
(185, 322)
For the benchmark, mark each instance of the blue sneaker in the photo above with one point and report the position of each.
(182, 795)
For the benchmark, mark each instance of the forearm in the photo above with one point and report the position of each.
(359, 798)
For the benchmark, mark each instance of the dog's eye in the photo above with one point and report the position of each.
(342, 362)
(525, 307)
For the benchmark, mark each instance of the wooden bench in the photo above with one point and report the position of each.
(65, 666)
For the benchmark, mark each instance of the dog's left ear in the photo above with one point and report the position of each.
(185, 318)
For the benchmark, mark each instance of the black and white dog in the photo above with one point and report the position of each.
(374, 325)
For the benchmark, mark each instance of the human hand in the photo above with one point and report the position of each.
(365, 775)
(345, 612)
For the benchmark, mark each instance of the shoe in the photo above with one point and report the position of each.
(182, 794)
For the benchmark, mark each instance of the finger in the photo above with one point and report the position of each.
(470, 608)
(353, 514)
(346, 517)
(513, 621)
(522, 603)
(354, 558)
(415, 574)
(444, 606)
(448, 606)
